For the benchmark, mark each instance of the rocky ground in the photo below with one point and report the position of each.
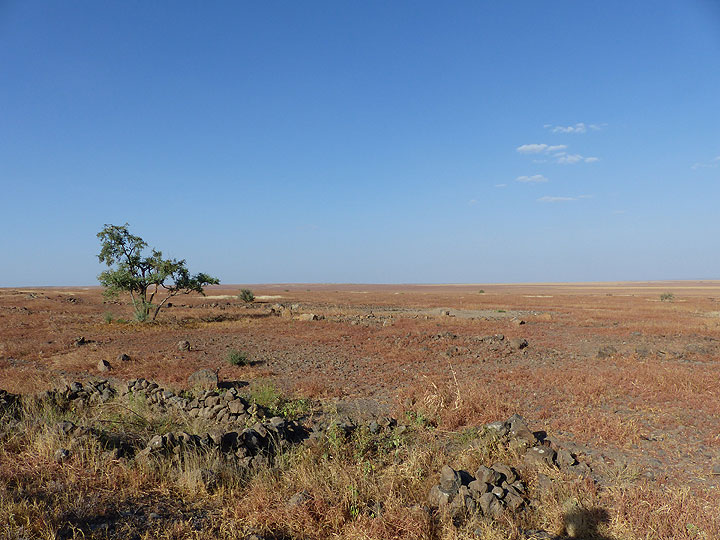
(621, 385)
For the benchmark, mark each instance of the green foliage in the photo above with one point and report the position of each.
(143, 276)
(419, 420)
(247, 296)
(467, 435)
(237, 358)
(108, 317)
(481, 291)
(295, 408)
(667, 297)
(266, 394)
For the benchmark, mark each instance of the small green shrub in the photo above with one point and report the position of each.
(481, 291)
(266, 394)
(247, 296)
(295, 408)
(667, 297)
(237, 358)
(108, 317)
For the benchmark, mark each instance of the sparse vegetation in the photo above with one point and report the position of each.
(481, 291)
(247, 296)
(361, 481)
(667, 297)
(237, 358)
(143, 277)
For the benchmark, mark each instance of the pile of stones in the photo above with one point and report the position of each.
(78, 395)
(252, 446)
(116, 445)
(223, 408)
(535, 446)
(489, 491)
(492, 490)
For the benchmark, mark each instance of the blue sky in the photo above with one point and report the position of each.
(387, 142)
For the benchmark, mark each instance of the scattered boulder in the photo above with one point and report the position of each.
(449, 480)
(183, 345)
(122, 357)
(565, 459)
(203, 379)
(606, 352)
(518, 343)
(103, 366)
(540, 455)
(61, 455)
(307, 317)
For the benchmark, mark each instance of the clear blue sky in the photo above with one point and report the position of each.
(337, 141)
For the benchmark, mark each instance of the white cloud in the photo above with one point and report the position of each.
(714, 162)
(540, 148)
(557, 151)
(571, 159)
(500, 185)
(580, 127)
(557, 148)
(577, 128)
(532, 148)
(535, 178)
(549, 199)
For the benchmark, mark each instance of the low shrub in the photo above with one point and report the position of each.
(237, 358)
(247, 296)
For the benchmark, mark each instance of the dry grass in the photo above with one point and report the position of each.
(636, 407)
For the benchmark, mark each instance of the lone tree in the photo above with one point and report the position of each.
(143, 277)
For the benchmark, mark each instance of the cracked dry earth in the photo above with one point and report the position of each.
(618, 376)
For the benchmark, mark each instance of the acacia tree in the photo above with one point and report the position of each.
(146, 278)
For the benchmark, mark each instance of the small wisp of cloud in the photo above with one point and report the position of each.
(714, 162)
(580, 127)
(540, 148)
(552, 199)
(500, 185)
(570, 159)
(557, 153)
(534, 179)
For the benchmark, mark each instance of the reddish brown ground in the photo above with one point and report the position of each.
(651, 408)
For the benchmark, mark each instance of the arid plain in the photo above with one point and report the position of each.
(624, 375)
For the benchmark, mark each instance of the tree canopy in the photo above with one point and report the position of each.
(147, 278)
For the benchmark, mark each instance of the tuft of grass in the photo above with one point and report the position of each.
(108, 317)
(667, 297)
(237, 358)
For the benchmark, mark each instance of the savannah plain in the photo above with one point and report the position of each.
(624, 380)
